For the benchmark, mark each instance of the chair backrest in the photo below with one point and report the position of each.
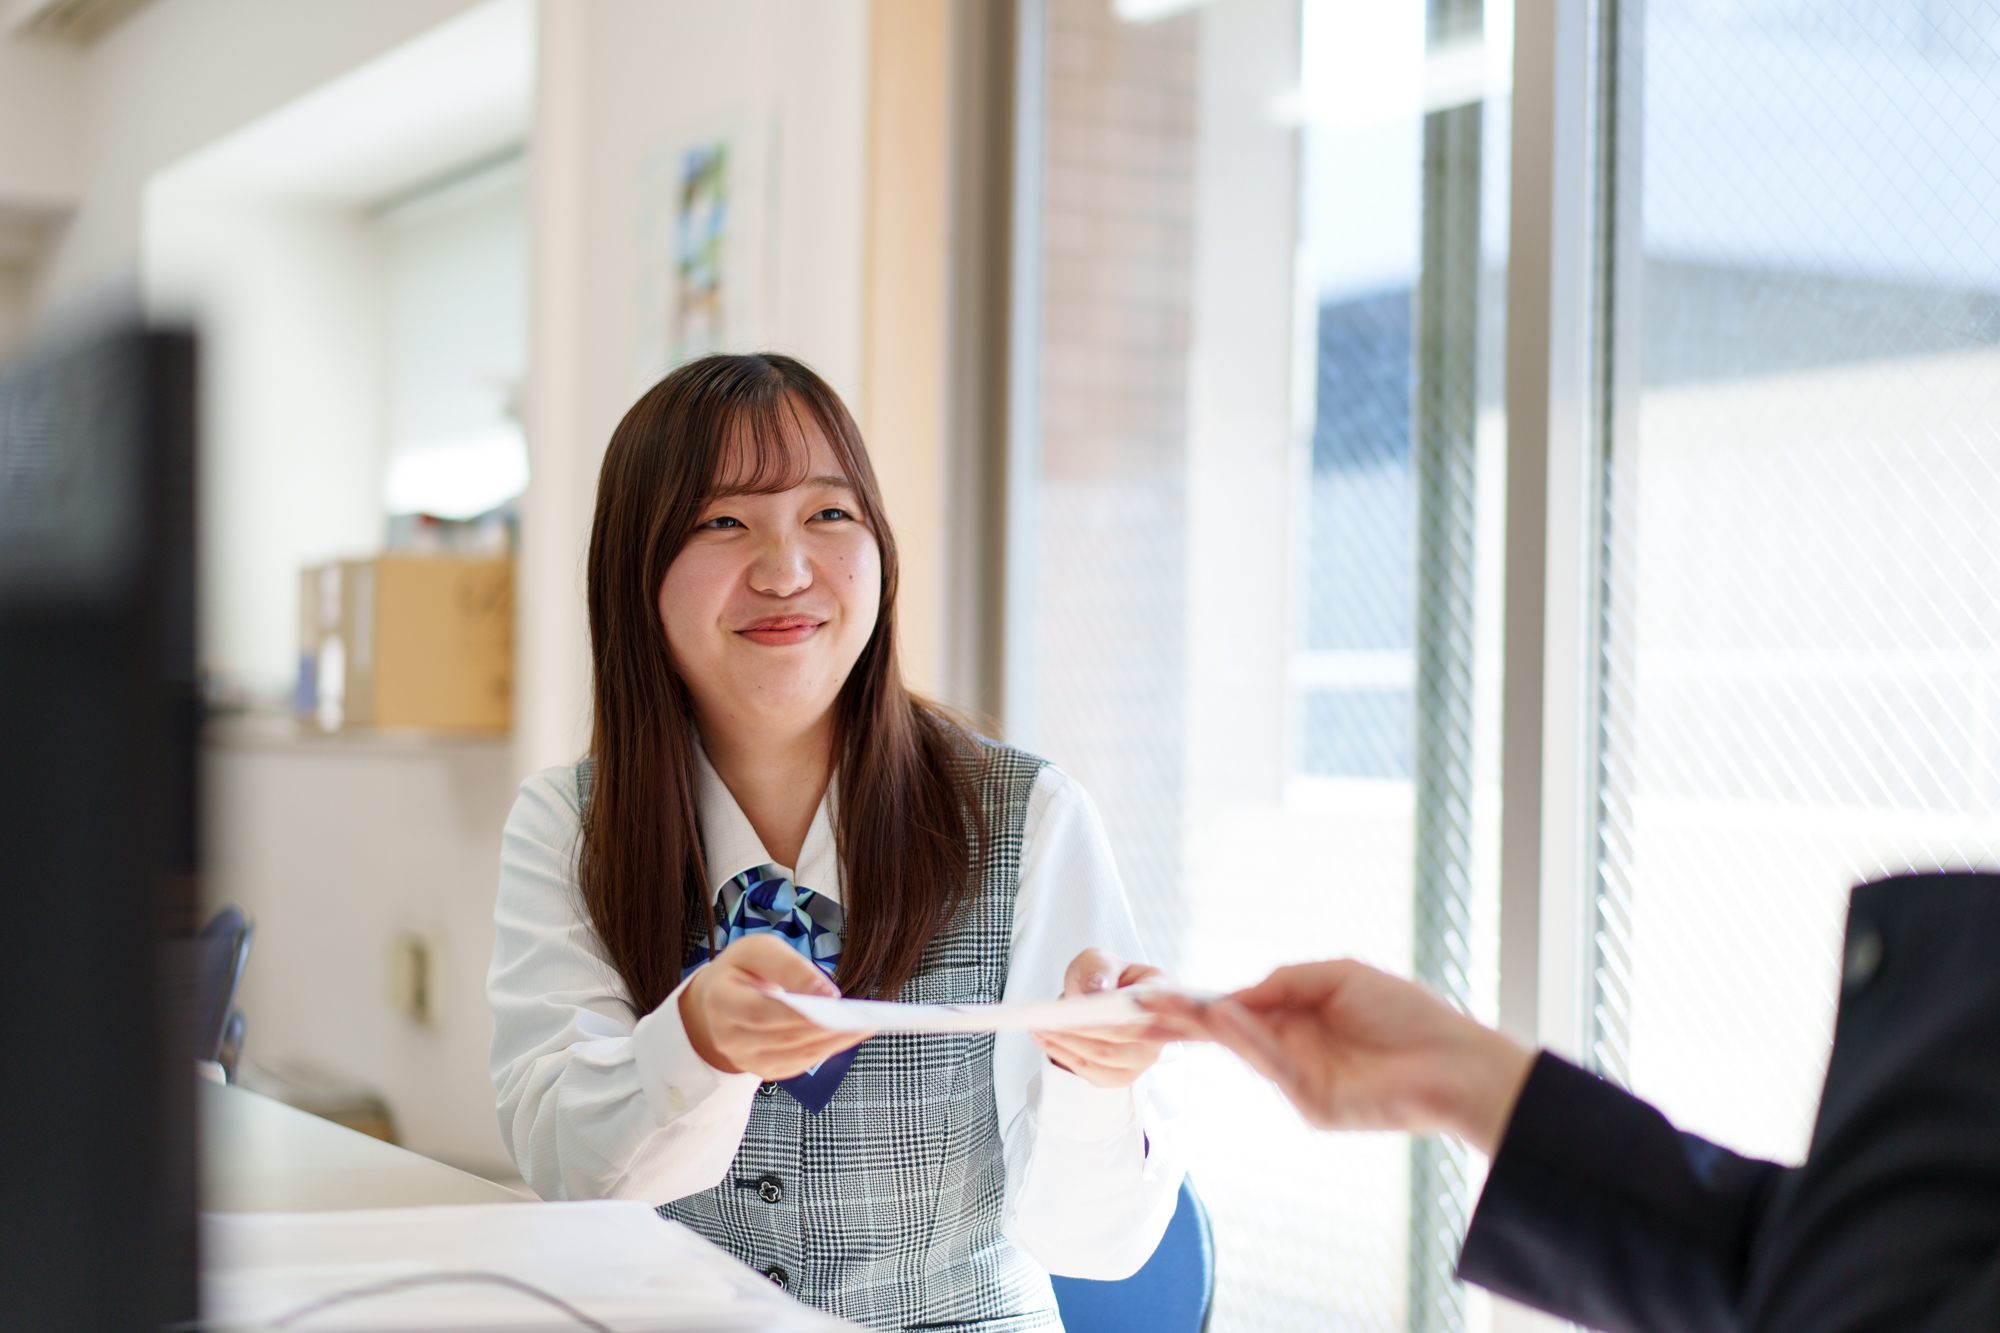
(221, 950)
(1173, 1293)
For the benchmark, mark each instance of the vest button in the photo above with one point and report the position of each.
(771, 1190)
(777, 1275)
(768, 1089)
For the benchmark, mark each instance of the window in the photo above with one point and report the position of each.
(1266, 550)
(1800, 621)
(1267, 537)
(456, 277)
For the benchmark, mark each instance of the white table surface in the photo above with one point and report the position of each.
(262, 1156)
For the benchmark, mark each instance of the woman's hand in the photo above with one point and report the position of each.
(733, 1022)
(1103, 1057)
(1354, 1048)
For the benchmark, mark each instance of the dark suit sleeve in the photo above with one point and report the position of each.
(1599, 1211)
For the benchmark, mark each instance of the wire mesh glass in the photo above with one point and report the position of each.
(1801, 629)
(1379, 842)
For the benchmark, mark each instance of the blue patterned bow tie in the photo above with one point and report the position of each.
(760, 901)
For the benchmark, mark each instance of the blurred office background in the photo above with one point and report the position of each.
(1278, 408)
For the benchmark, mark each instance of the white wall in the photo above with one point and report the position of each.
(291, 383)
(268, 236)
(14, 279)
(41, 125)
(23, 240)
(41, 130)
(623, 84)
(288, 300)
(264, 240)
(336, 845)
(180, 74)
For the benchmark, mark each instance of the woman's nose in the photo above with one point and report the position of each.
(781, 568)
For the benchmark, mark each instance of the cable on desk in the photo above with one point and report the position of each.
(401, 1284)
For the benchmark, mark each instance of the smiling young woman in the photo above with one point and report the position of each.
(724, 434)
(765, 806)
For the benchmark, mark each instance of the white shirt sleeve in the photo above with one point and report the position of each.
(1093, 1174)
(594, 1103)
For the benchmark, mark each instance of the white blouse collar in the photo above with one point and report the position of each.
(730, 846)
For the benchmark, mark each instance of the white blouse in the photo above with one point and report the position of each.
(599, 1102)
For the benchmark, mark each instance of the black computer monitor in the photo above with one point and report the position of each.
(98, 720)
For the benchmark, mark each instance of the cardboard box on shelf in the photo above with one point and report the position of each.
(407, 641)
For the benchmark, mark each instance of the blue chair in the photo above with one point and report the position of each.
(1173, 1293)
(221, 950)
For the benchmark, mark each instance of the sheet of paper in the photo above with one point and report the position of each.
(1110, 1009)
(615, 1260)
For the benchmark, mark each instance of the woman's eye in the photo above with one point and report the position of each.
(724, 522)
(833, 515)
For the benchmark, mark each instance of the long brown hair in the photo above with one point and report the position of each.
(907, 824)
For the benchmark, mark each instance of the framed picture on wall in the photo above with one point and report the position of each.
(704, 243)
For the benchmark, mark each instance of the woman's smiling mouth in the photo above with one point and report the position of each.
(779, 630)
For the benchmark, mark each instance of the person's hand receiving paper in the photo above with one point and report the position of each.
(733, 1023)
(1354, 1048)
(1104, 1057)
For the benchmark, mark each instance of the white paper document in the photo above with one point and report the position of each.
(1108, 1009)
(400, 1270)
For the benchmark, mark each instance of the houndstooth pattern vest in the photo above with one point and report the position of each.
(884, 1208)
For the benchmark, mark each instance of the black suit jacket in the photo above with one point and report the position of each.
(1599, 1211)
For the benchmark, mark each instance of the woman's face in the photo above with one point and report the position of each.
(773, 598)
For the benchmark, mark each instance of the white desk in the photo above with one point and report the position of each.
(262, 1156)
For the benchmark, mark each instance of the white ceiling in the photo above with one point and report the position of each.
(461, 92)
(81, 21)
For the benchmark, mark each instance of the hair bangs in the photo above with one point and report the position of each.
(766, 451)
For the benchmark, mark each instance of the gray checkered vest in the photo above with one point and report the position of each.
(885, 1207)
